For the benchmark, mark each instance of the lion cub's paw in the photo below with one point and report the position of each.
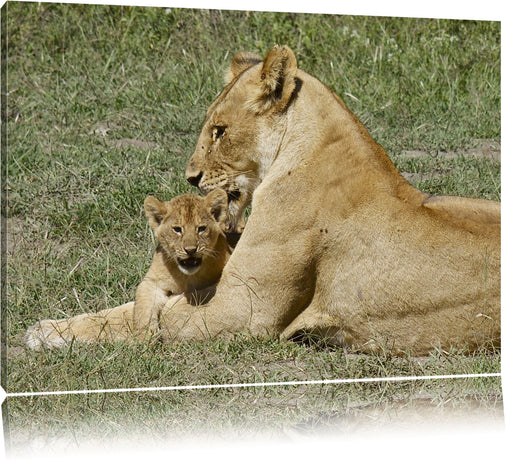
(44, 334)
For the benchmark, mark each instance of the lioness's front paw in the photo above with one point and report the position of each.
(45, 334)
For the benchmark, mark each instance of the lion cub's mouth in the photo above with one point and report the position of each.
(189, 265)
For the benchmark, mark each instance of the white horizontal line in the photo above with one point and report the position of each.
(254, 385)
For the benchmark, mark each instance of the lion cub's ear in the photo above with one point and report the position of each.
(217, 204)
(155, 211)
(240, 62)
(240, 225)
(277, 80)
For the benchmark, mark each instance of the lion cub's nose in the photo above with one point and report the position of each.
(191, 250)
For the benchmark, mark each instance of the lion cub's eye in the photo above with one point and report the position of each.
(201, 229)
(217, 132)
(177, 229)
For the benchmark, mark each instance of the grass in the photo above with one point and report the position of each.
(105, 106)
(274, 412)
(167, 416)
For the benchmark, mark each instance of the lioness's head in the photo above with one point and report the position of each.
(242, 132)
(188, 227)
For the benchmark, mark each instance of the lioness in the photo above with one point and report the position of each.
(191, 253)
(338, 244)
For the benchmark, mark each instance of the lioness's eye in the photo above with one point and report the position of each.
(201, 229)
(218, 132)
(177, 229)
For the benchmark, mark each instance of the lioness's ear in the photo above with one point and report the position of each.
(217, 203)
(240, 62)
(155, 211)
(277, 80)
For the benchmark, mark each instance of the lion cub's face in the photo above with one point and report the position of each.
(188, 227)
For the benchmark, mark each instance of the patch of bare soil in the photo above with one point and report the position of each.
(32, 240)
(131, 142)
(105, 129)
(484, 149)
(487, 149)
(14, 230)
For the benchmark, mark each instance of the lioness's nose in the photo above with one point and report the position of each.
(193, 175)
(194, 180)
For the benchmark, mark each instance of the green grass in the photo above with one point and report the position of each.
(261, 411)
(244, 360)
(105, 106)
(306, 410)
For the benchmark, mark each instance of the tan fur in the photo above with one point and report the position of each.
(338, 244)
(188, 228)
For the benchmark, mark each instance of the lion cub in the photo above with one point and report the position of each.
(191, 253)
